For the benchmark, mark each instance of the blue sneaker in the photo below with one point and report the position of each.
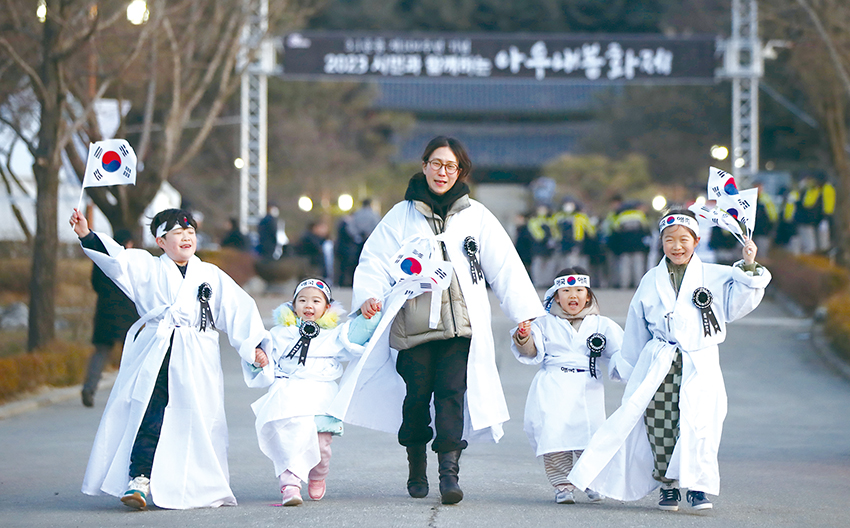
(670, 498)
(699, 501)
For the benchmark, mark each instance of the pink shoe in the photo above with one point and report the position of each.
(316, 489)
(291, 496)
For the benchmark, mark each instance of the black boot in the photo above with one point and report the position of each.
(417, 481)
(449, 489)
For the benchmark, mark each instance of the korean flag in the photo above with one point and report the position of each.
(110, 162)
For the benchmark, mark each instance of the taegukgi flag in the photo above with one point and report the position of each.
(110, 162)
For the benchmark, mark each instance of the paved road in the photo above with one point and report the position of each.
(785, 456)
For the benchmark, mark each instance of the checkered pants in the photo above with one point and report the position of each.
(662, 419)
(558, 465)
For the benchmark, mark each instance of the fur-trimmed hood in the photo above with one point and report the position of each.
(284, 315)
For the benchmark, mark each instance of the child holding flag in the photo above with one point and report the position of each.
(294, 428)
(164, 422)
(566, 400)
(667, 430)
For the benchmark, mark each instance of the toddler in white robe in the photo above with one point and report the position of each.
(566, 400)
(309, 346)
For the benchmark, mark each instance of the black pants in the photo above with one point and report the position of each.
(141, 457)
(435, 368)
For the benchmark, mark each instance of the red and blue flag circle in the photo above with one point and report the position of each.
(670, 219)
(730, 186)
(571, 280)
(111, 161)
(733, 212)
(411, 266)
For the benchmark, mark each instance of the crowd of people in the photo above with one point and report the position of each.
(420, 350)
(618, 247)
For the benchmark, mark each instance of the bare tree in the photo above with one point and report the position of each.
(820, 56)
(178, 67)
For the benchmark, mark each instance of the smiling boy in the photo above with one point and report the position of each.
(164, 424)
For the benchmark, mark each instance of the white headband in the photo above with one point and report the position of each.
(572, 280)
(679, 219)
(160, 231)
(567, 281)
(314, 283)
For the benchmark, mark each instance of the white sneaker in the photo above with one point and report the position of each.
(564, 497)
(138, 491)
(594, 496)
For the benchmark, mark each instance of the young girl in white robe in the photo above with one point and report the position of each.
(309, 346)
(566, 400)
(667, 430)
(164, 424)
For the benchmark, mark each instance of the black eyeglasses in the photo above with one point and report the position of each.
(451, 167)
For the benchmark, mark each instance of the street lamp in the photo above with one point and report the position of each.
(41, 11)
(345, 202)
(659, 203)
(719, 152)
(239, 163)
(305, 204)
(137, 12)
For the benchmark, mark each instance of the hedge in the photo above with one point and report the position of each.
(59, 365)
(809, 280)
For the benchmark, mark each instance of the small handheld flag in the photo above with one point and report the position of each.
(741, 205)
(110, 162)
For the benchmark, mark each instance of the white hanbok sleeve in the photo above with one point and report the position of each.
(635, 337)
(505, 272)
(539, 345)
(236, 314)
(129, 269)
(613, 346)
(744, 292)
(372, 278)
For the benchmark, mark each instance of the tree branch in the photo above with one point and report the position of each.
(833, 53)
(31, 73)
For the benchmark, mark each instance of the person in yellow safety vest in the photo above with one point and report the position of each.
(786, 231)
(544, 232)
(814, 211)
(767, 217)
(574, 228)
(628, 242)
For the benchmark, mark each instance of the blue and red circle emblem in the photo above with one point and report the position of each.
(411, 266)
(733, 212)
(320, 284)
(670, 219)
(730, 186)
(571, 280)
(111, 161)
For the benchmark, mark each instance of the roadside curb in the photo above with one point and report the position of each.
(52, 395)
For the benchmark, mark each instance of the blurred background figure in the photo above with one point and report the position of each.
(313, 246)
(629, 243)
(351, 235)
(235, 238)
(544, 232)
(267, 229)
(575, 229)
(767, 221)
(814, 212)
(523, 241)
(114, 314)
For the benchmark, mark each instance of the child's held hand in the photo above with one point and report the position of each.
(524, 328)
(79, 223)
(260, 357)
(750, 251)
(370, 307)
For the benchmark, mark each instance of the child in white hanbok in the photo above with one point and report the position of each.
(566, 400)
(667, 430)
(164, 423)
(309, 346)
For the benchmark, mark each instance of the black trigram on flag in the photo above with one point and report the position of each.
(98, 152)
(124, 151)
(98, 175)
(127, 171)
(440, 273)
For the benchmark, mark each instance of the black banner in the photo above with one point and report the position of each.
(545, 58)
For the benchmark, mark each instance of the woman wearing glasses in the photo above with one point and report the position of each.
(452, 360)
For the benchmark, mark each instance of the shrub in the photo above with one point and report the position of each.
(837, 325)
(60, 364)
(810, 280)
(238, 264)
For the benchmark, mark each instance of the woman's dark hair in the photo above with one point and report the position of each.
(684, 212)
(578, 270)
(463, 161)
(172, 217)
